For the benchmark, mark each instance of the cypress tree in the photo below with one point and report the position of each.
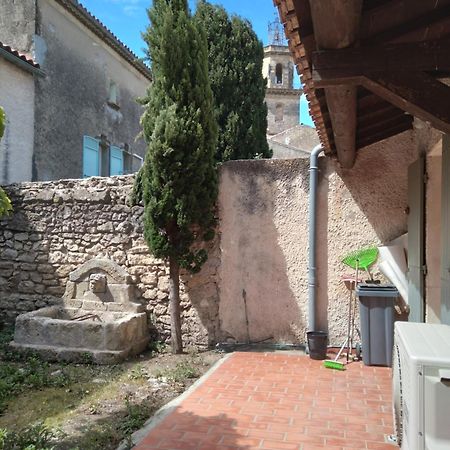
(239, 88)
(179, 179)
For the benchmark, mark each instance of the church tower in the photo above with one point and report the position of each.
(283, 101)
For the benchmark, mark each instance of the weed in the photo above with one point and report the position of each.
(182, 371)
(157, 347)
(138, 373)
(35, 374)
(35, 437)
(86, 358)
(136, 415)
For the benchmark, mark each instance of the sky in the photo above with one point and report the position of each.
(127, 19)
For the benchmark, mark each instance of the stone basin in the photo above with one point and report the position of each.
(99, 319)
(52, 333)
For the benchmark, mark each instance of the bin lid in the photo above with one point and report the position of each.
(376, 290)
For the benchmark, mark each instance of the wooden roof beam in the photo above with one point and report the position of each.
(336, 25)
(417, 93)
(333, 65)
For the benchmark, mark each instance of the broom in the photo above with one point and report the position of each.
(334, 363)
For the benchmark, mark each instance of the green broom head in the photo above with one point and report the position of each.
(331, 364)
(361, 259)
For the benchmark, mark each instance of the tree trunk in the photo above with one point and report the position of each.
(174, 299)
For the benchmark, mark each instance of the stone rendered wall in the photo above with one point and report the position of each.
(59, 225)
(263, 276)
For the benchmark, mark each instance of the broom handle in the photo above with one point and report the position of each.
(350, 302)
(354, 305)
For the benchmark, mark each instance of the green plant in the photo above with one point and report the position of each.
(135, 417)
(178, 182)
(157, 346)
(35, 374)
(138, 373)
(35, 437)
(239, 88)
(180, 373)
(5, 202)
(86, 358)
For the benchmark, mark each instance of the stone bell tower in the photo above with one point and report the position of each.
(283, 101)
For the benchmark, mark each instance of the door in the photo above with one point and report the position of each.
(445, 232)
(116, 161)
(91, 157)
(416, 254)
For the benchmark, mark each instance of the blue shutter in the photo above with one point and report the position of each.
(116, 161)
(91, 157)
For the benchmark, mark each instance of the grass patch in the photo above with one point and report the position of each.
(183, 371)
(94, 407)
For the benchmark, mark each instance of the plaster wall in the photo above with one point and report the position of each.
(17, 99)
(18, 23)
(264, 237)
(366, 206)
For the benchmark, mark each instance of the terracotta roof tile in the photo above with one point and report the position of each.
(23, 56)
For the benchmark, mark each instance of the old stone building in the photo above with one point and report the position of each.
(86, 118)
(283, 100)
(286, 136)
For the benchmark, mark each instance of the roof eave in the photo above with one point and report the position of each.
(21, 63)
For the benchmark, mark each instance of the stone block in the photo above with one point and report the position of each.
(90, 305)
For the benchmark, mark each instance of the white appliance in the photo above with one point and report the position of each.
(421, 385)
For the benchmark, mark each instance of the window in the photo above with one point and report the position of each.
(113, 97)
(100, 158)
(279, 73)
(279, 112)
(91, 157)
(116, 166)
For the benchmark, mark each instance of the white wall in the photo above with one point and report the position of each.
(17, 99)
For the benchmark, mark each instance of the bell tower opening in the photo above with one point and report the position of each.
(279, 73)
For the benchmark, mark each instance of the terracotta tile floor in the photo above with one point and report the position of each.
(280, 401)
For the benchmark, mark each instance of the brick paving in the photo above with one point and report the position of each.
(280, 401)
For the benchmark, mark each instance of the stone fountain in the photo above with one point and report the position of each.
(98, 319)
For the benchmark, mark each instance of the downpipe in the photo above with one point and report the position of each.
(312, 264)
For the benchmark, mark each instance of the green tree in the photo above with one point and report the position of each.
(5, 202)
(235, 69)
(179, 179)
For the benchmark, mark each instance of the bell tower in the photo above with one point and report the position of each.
(283, 100)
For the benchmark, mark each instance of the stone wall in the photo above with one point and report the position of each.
(59, 225)
(255, 284)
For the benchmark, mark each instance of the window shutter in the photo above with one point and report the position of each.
(91, 157)
(416, 198)
(116, 161)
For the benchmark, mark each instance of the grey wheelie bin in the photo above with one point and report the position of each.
(377, 314)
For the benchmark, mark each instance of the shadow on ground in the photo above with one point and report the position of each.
(182, 430)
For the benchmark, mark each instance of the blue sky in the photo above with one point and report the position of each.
(128, 18)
